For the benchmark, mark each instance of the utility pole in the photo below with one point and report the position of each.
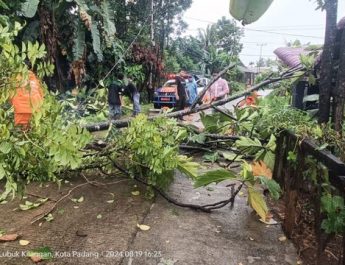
(152, 31)
(261, 45)
(153, 44)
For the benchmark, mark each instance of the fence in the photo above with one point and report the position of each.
(290, 175)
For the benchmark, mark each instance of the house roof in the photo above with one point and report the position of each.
(245, 69)
(290, 55)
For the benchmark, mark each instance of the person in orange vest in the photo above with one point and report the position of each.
(27, 99)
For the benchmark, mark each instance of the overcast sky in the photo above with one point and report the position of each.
(288, 19)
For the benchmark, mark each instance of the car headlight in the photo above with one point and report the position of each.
(155, 94)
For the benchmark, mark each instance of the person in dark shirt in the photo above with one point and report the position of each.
(115, 92)
(181, 95)
(134, 95)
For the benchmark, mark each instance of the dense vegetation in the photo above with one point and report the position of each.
(56, 143)
(85, 39)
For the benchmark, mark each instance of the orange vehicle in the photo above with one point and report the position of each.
(165, 96)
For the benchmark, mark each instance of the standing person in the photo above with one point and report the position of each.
(27, 99)
(134, 95)
(115, 92)
(219, 89)
(181, 95)
(192, 90)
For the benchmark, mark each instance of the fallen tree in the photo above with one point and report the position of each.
(197, 108)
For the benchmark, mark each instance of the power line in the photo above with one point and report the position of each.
(293, 29)
(283, 33)
(261, 30)
(264, 27)
(257, 55)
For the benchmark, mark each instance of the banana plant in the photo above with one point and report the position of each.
(248, 11)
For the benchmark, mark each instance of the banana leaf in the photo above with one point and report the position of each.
(248, 11)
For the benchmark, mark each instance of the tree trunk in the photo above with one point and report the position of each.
(331, 7)
(339, 99)
(121, 19)
(49, 36)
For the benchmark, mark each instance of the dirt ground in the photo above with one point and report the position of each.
(96, 231)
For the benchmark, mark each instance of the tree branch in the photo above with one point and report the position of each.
(204, 208)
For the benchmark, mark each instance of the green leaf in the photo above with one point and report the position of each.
(250, 146)
(29, 8)
(247, 173)
(96, 41)
(248, 11)
(32, 205)
(257, 202)
(3, 5)
(214, 176)
(49, 217)
(209, 122)
(108, 21)
(232, 156)
(79, 42)
(5, 147)
(334, 208)
(188, 167)
(271, 145)
(273, 187)
(269, 158)
(198, 138)
(211, 157)
(2, 172)
(181, 135)
(331, 204)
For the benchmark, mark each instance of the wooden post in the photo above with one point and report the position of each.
(278, 164)
(339, 92)
(295, 172)
(344, 248)
(331, 7)
(318, 218)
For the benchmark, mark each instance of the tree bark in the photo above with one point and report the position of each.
(331, 7)
(339, 92)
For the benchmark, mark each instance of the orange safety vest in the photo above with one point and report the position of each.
(27, 99)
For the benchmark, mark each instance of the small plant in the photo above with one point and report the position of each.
(334, 208)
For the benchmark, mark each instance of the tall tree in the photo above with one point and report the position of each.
(331, 7)
(339, 99)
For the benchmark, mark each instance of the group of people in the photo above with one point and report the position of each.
(186, 92)
(117, 90)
